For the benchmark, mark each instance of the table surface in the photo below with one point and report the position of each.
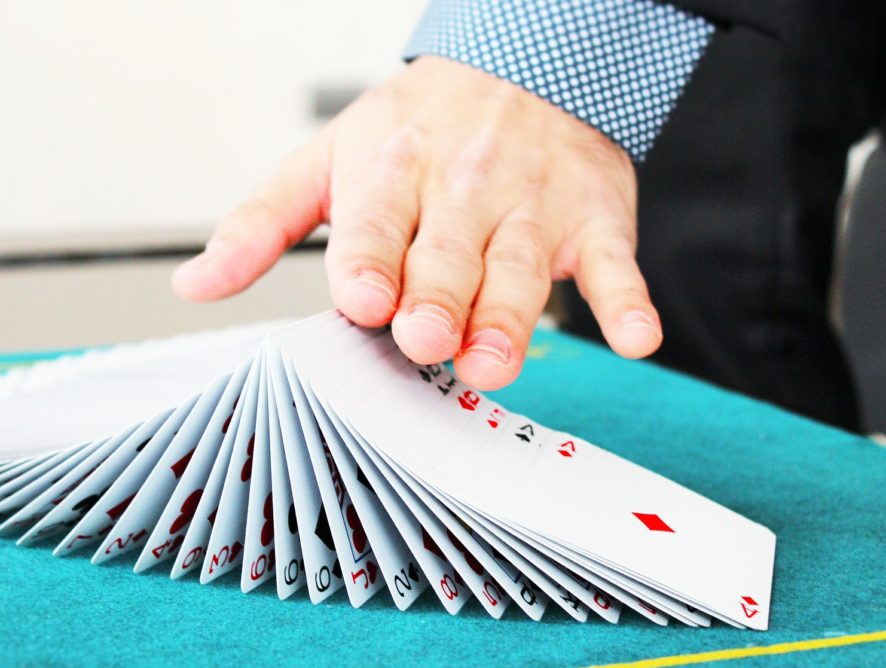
(822, 490)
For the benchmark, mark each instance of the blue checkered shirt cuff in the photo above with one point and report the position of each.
(618, 65)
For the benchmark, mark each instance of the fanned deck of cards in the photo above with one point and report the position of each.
(313, 453)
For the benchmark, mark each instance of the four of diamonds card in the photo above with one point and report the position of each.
(316, 455)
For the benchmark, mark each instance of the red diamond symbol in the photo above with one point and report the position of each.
(749, 600)
(653, 522)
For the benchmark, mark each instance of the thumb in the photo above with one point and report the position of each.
(248, 242)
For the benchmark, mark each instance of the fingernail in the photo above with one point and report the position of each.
(378, 284)
(433, 315)
(491, 344)
(637, 319)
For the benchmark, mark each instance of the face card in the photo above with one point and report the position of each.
(359, 565)
(328, 459)
(445, 581)
(471, 566)
(395, 559)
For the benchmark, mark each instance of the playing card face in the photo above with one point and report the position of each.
(79, 503)
(395, 559)
(259, 554)
(315, 454)
(48, 489)
(22, 488)
(455, 544)
(360, 570)
(430, 560)
(305, 551)
(199, 510)
(124, 485)
(290, 569)
(638, 543)
(225, 547)
(67, 511)
(558, 586)
(321, 565)
(169, 500)
(162, 468)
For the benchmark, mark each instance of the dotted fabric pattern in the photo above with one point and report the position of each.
(619, 65)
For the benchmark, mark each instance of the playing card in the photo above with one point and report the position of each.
(48, 488)
(259, 554)
(199, 509)
(471, 562)
(430, 559)
(360, 570)
(17, 491)
(74, 493)
(290, 569)
(580, 475)
(394, 557)
(162, 466)
(124, 484)
(316, 454)
(225, 546)
(168, 501)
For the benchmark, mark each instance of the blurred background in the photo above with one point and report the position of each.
(127, 129)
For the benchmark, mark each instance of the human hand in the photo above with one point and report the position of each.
(454, 199)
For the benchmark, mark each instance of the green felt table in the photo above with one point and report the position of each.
(823, 492)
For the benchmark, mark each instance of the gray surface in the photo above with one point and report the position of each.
(863, 292)
(60, 306)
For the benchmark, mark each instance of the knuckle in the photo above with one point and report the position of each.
(378, 229)
(521, 255)
(257, 208)
(625, 296)
(618, 246)
(384, 230)
(475, 164)
(451, 248)
(442, 296)
(401, 150)
(257, 215)
(518, 321)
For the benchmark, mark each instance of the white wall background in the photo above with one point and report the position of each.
(118, 115)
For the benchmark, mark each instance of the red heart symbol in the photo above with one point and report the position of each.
(373, 571)
(492, 423)
(357, 533)
(465, 404)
